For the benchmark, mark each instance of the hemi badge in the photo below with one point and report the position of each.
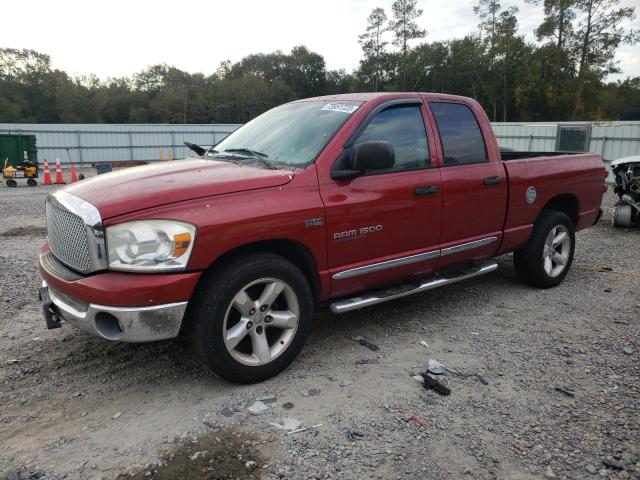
(314, 222)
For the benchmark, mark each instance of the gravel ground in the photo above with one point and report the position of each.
(78, 407)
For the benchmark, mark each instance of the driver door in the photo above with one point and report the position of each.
(385, 225)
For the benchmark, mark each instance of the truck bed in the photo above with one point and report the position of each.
(507, 155)
(579, 177)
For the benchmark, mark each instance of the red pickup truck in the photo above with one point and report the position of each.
(351, 200)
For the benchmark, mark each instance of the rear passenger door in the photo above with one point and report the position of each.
(474, 186)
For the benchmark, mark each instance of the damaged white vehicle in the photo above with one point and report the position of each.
(627, 174)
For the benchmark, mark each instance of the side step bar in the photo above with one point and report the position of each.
(439, 280)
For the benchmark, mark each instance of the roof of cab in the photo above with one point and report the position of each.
(380, 96)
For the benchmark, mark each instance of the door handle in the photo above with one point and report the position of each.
(428, 190)
(489, 181)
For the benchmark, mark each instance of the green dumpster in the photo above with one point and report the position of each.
(18, 148)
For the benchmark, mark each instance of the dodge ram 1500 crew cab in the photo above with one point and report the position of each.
(351, 200)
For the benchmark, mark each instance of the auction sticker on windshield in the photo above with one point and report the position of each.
(340, 107)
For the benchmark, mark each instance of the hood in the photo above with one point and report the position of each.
(631, 159)
(148, 186)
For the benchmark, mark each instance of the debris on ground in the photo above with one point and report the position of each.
(415, 419)
(367, 361)
(424, 344)
(346, 383)
(268, 399)
(197, 455)
(227, 412)
(479, 377)
(116, 415)
(407, 417)
(365, 343)
(287, 405)
(305, 428)
(431, 383)
(613, 464)
(628, 350)
(287, 423)
(257, 408)
(353, 435)
(435, 367)
(313, 392)
(567, 392)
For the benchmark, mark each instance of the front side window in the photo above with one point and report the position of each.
(291, 134)
(460, 133)
(404, 128)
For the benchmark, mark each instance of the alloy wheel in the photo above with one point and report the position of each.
(261, 321)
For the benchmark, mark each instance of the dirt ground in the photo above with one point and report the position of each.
(561, 398)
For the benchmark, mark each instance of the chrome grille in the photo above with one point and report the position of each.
(67, 234)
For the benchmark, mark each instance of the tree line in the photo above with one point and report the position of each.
(562, 76)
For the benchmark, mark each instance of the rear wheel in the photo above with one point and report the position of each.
(12, 183)
(32, 182)
(250, 317)
(547, 257)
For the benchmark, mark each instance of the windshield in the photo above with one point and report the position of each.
(292, 134)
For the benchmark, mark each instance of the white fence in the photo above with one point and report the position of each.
(612, 140)
(93, 143)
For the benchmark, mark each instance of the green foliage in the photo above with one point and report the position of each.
(405, 29)
(373, 45)
(559, 78)
(31, 91)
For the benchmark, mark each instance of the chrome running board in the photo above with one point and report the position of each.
(439, 280)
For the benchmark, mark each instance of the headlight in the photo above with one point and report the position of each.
(150, 245)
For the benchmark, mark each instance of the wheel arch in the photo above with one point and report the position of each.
(292, 250)
(566, 203)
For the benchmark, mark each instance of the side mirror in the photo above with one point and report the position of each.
(365, 156)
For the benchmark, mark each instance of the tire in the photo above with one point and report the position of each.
(228, 323)
(12, 183)
(543, 263)
(32, 182)
(622, 215)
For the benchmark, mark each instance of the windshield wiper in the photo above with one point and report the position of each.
(253, 154)
(247, 151)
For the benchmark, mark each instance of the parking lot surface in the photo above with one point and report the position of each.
(547, 382)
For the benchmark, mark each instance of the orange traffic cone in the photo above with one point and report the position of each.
(73, 177)
(59, 177)
(46, 177)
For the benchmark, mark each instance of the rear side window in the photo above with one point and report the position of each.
(460, 133)
(404, 128)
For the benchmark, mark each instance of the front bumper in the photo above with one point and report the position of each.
(127, 307)
(124, 324)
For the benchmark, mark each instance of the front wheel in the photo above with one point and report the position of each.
(547, 257)
(32, 182)
(250, 317)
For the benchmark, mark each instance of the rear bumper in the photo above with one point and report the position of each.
(123, 324)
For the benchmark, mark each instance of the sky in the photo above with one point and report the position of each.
(119, 38)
